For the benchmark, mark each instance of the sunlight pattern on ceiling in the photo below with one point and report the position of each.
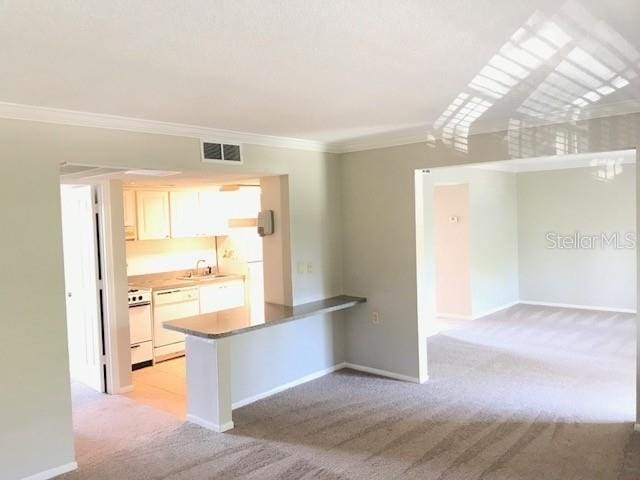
(556, 67)
(603, 63)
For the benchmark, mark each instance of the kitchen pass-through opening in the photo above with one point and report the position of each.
(141, 250)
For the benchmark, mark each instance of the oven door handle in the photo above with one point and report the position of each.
(140, 305)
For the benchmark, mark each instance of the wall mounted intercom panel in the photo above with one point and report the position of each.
(265, 223)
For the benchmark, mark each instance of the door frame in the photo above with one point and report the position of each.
(114, 289)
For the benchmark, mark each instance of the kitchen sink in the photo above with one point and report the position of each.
(198, 278)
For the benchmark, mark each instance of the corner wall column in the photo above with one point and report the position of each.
(209, 382)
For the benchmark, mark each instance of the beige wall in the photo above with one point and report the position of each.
(453, 282)
(354, 215)
(35, 414)
(569, 201)
(277, 247)
(380, 250)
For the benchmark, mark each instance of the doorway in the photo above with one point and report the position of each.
(192, 248)
(550, 249)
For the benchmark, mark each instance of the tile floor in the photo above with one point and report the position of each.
(162, 386)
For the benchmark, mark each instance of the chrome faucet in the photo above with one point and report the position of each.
(198, 266)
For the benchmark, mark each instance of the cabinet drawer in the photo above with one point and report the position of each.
(141, 352)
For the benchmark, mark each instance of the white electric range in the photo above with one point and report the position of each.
(140, 328)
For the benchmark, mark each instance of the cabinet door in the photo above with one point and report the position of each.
(185, 214)
(213, 213)
(129, 204)
(231, 294)
(209, 298)
(153, 215)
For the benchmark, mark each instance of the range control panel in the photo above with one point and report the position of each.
(139, 297)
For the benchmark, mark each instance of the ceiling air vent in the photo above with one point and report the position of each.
(219, 153)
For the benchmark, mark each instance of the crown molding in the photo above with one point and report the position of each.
(16, 111)
(419, 134)
(382, 140)
(33, 113)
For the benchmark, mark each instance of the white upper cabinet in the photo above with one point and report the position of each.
(213, 213)
(243, 203)
(153, 215)
(185, 214)
(197, 214)
(180, 214)
(129, 204)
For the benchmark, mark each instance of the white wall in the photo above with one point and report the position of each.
(568, 201)
(155, 256)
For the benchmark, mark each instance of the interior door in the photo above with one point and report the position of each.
(81, 283)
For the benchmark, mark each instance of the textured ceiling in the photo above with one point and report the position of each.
(332, 71)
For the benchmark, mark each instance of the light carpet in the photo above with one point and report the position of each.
(527, 393)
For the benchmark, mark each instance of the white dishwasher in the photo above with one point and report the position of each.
(171, 305)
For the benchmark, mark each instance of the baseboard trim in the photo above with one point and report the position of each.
(209, 425)
(497, 309)
(382, 373)
(286, 386)
(53, 472)
(578, 307)
(125, 389)
(315, 376)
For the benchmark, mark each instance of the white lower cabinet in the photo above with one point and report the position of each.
(221, 296)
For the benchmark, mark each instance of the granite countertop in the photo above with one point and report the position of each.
(244, 319)
(167, 281)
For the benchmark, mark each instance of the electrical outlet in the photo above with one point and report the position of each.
(375, 318)
(309, 267)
